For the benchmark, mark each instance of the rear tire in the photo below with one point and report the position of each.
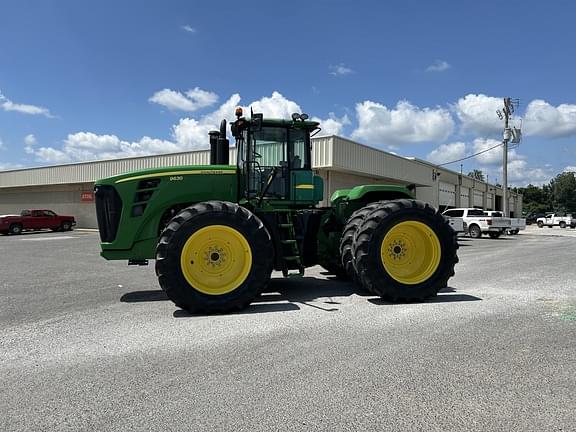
(494, 234)
(214, 257)
(347, 240)
(405, 250)
(475, 231)
(15, 229)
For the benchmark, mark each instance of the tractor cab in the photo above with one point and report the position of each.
(274, 160)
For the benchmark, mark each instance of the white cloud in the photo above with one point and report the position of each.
(29, 142)
(494, 156)
(447, 153)
(8, 105)
(340, 70)
(379, 125)
(188, 134)
(541, 118)
(276, 106)
(188, 28)
(192, 100)
(477, 113)
(333, 125)
(438, 66)
(521, 174)
(2, 146)
(570, 169)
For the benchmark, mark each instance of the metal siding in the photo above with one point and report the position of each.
(322, 152)
(351, 156)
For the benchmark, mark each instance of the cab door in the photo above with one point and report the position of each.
(38, 219)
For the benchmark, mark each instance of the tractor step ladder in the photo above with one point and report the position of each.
(291, 259)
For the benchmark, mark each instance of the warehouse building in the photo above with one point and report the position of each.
(342, 163)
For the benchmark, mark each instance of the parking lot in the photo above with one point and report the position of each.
(93, 345)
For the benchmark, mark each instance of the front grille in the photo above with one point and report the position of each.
(108, 212)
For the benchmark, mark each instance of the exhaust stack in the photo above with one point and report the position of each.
(219, 146)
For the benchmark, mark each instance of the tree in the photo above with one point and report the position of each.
(564, 192)
(536, 199)
(476, 174)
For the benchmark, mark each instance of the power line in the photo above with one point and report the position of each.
(472, 155)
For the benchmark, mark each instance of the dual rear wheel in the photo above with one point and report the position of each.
(399, 250)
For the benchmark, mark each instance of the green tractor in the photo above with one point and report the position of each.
(218, 231)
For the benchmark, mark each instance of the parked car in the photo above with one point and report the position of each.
(553, 219)
(516, 224)
(478, 223)
(35, 219)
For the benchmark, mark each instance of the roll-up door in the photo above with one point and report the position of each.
(478, 199)
(489, 201)
(447, 194)
(464, 196)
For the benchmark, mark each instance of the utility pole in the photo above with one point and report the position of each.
(507, 111)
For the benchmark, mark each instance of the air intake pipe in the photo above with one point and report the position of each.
(219, 146)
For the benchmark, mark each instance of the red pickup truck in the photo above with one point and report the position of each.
(34, 219)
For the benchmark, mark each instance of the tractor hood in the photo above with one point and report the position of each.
(174, 172)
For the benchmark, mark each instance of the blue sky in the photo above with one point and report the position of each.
(92, 80)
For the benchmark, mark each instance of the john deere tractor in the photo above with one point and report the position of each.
(218, 231)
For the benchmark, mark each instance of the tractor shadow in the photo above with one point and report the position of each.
(292, 294)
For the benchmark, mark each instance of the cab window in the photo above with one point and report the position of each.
(299, 157)
(269, 146)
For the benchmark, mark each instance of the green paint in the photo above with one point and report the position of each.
(569, 314)
(137, 235)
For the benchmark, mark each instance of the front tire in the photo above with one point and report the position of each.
(475, 231)
(214, 257)
(540, 224)
(562, 224)
(405, 250)
(66, 226)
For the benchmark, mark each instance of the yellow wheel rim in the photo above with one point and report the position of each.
(410, 252)
(216, 259)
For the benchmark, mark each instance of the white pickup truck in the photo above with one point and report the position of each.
(552, 219)
(478, 223)
(516, 224)
(458, 225)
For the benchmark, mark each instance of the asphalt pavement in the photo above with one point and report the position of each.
(87, 344)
